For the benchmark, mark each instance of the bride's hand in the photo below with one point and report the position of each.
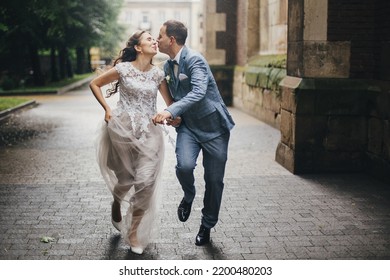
(161, 117)
(108, 115)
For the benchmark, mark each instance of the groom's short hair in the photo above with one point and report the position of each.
(176, 29)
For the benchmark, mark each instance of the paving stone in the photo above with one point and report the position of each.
(50, 185)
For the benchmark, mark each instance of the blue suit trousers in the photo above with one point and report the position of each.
(214, 154)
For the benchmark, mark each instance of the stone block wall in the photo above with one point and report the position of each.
(367, 25)
(335, 97)
(335, 125)
(256, 89)
(331, 98)
(224, 76)
(378, 131)
(220, 18)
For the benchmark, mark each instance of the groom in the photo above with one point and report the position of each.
(205, 126)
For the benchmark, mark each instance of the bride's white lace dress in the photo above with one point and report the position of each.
(130, 148)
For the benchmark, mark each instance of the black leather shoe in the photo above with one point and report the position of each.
(184, 210)
(203, 236)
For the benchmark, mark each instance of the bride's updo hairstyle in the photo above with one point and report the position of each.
(129, 53)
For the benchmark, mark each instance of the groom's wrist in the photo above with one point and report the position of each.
(170, 113)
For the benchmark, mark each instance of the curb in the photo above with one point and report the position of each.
(5, 113)
(75, 85)
(59, 91)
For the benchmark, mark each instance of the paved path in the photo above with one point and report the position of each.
(50, 186)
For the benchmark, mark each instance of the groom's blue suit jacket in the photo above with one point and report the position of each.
(197, 98)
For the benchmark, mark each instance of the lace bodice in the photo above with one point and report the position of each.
(138, 94)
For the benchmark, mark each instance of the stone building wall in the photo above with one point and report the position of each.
(220, 43)
(335, 97)
(151, 14)
(262, 39)
(214, 22)
(251, 35)
(324, 82)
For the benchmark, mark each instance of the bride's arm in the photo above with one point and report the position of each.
(100, 81)
(168, 101)
(165, 93)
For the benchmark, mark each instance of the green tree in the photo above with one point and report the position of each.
(21, 37)
(65, 28)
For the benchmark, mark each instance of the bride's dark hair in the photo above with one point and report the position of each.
(129, 53)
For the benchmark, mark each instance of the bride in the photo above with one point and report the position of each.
(130, 148)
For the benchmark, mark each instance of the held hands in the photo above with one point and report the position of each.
(174, 122)
(166, 116)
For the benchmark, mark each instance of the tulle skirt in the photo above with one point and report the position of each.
(131, 162)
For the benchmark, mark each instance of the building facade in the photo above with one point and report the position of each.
(316, 70)
(151, 14)
(335, 97)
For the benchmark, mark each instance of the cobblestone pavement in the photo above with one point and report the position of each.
(50, 186)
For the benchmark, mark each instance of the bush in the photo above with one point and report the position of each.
(8, 83)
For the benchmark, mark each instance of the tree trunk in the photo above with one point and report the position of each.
(69, 68)
(81, 67)
(53, 65)
(62, 60)
(89, 67)
(36, 66)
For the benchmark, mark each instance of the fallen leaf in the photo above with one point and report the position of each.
(47, 239)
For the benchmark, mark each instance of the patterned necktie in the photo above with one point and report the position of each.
(174, 66)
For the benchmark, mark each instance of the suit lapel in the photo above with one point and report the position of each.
(172, 82)
(181, 66)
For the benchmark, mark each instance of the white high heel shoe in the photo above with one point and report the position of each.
(117, 225)
(137, 250)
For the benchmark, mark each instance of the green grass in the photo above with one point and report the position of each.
(10, 102)
(66, 82)
(50, 87)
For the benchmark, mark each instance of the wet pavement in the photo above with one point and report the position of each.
(55, 205)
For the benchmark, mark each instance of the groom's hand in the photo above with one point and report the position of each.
(161, 117)
(174, 122)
